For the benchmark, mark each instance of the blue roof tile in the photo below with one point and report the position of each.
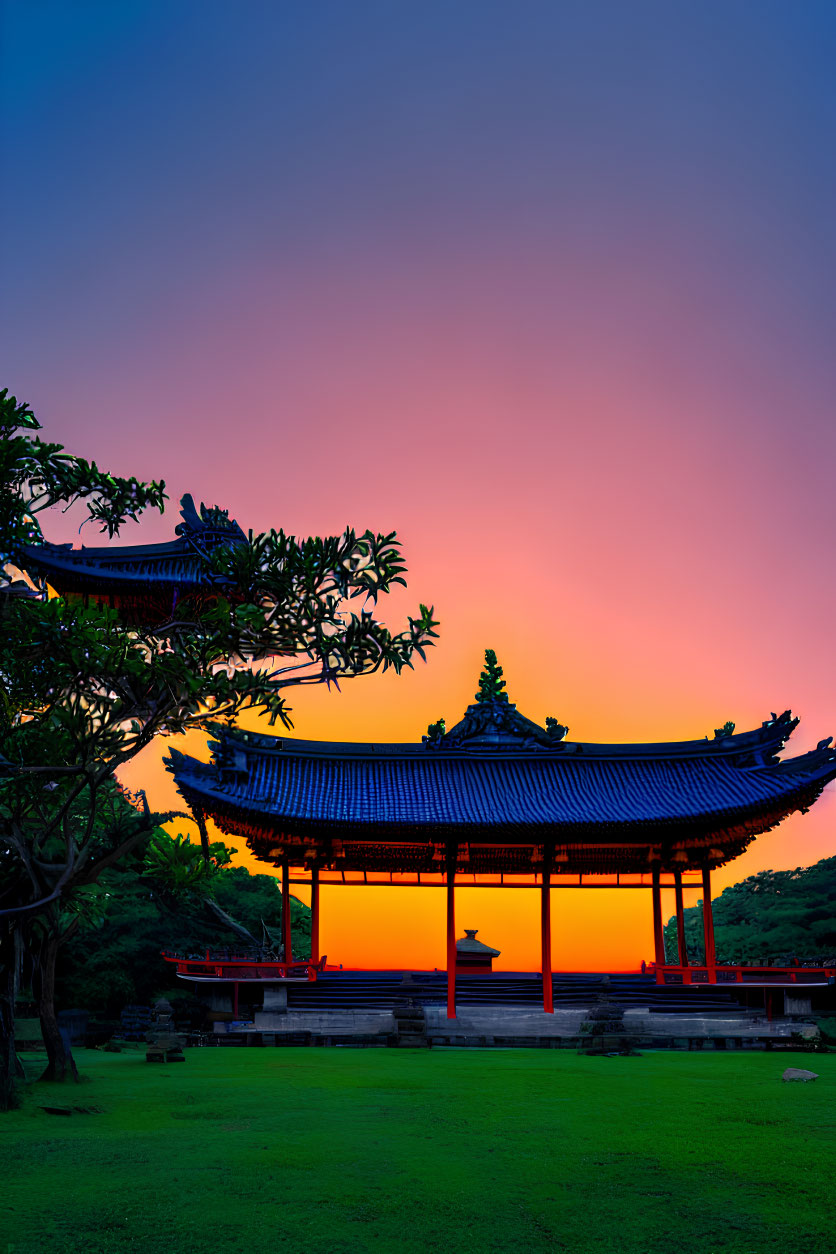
(566, 786)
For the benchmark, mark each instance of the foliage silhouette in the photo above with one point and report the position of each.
(84, 690)
(772, 916)
(165, 900)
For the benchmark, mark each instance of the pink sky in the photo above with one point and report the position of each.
(551, 298)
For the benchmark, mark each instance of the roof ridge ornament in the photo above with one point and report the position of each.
(491, 683)
(209, 528)
(492, 722)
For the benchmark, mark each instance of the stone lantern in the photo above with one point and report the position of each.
(472, 956)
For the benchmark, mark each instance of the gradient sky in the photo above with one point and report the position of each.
(547, 287)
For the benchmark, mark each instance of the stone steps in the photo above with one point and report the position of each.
(335, 991)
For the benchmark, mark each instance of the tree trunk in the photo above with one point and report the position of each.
(8, 1058)
(238, 928)
(60, 1062)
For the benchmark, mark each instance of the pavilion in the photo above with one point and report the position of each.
(499, 800)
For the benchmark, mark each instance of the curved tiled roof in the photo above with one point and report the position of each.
(176, 563)
(524, 787)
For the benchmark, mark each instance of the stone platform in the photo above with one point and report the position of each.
(360, 1007)
(510, 1025)
(501, 1023)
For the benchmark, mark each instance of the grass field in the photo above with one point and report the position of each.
(337, 1150)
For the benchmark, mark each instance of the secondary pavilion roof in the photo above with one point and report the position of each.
(505, 793)
(473, 948)
(130, 575)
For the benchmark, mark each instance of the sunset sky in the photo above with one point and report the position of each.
(549, 288)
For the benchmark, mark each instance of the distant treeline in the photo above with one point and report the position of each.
(117, 960)
(775, 916)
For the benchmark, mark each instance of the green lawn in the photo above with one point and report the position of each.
(338, 1150)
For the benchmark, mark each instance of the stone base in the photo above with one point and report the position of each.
(275, 999)
(156, 1053)
(486, 1026)
(521, 1022)
(321, 1022)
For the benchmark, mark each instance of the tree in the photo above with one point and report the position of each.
(169, 898)
(179, 873)
(84, 689)
(774, 915)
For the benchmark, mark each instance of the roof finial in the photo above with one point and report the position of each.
(491, 683)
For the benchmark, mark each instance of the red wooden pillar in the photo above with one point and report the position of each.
(452, 851)
(287, 936)
(658, 928)
(708, 926)
(314, 914)
(546, 935)
(680, 920)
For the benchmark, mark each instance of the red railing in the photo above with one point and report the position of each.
(755, 975)
(243, 969)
